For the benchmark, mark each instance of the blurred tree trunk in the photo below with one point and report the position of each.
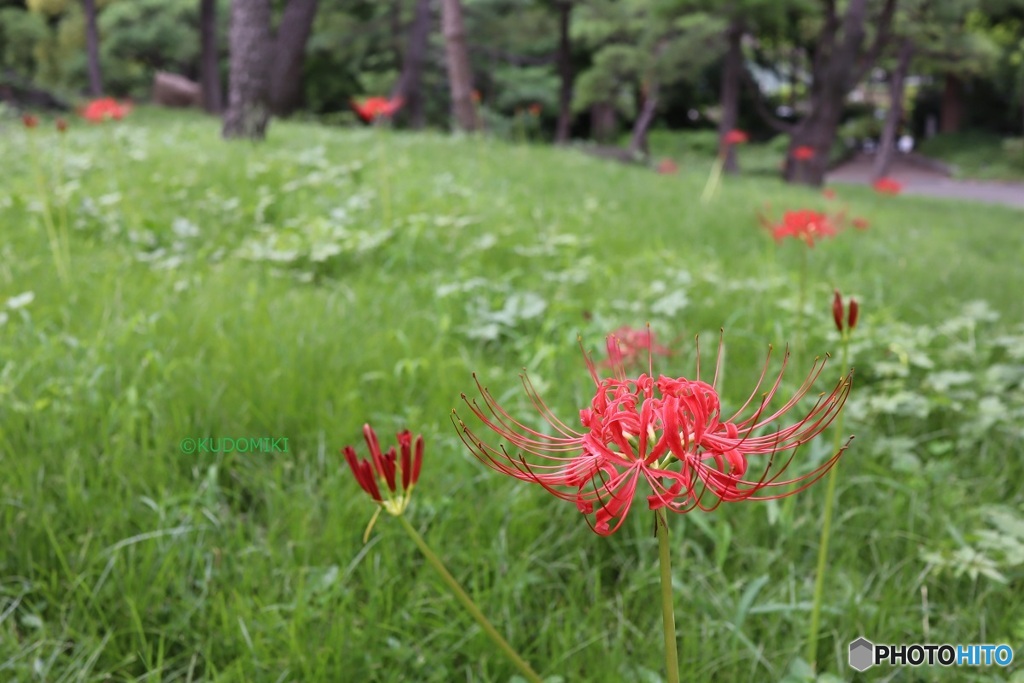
(564, 59)
(410, 84)
(638, 140)
(248, 87)
(603, 121)
(952, 115)
(92, 44)
(732, 70)
(209, 65)
(840, 62)
(887, 145)
(460, 77)
(289, 56)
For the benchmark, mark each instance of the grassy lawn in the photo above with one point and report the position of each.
(332, 277)
(978, 155)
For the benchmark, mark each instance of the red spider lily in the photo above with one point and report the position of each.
(668, 433)
(105, 109)
(668, 167)
(861, 223)
(837, 312)
(534, 110)
(805, 225)
(626, 344)
(373, 108)
(887, 186)
(736, 137)
(29, 121)
(803, 153)
(476, 97)
(399, 472)
(62, 126)
(828, 193)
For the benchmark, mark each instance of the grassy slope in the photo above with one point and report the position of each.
(122, 556)
(977, 154)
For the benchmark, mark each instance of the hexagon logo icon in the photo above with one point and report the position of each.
(862, 654)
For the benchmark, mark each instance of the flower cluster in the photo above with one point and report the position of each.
(736, 137)
(838, 310)
(105, 109)
(887, 186)
(373, 108)
(810, 226)
(626, 345)
(667, 434)
(803, 153)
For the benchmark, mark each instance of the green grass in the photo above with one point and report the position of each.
(236, 290)
(977, 154)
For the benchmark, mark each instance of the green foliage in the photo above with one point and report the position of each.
(20, 33)
(125, 558)
(977, 154)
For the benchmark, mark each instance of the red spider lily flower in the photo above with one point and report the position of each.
(62, 126)
(105, 109)
(373, 108)
(828, 193)
(805, 225)
(853, 311)
(476, 97)
(534, 109)
(626, 344)
(29, 121)
(668, 167)
(887, 186)
(803, 153)
(736, 137)
(668, 434)
(398, 472)
(861, 223)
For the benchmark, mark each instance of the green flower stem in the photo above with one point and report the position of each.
(801, 300)
(51, 231)
(714, 179)
(668, 613)
(468, 603)
(826, 528)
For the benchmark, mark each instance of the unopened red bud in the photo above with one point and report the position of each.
(29, 121)
(62, 125)
(837, 311)
(851, 321)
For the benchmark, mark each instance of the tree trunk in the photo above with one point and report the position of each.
(289, 55)
(92, 45)
(839, 63)
(564, 73)
(952, 114)
(638, 140)
(887, 145)
(460, 78)
(410, 83)
(247, 114)
(730, 94)
(603, 121)
(209, 66)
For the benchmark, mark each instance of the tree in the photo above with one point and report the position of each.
(289, 51)
(840, 59)
(209, 60)
(92, 43)
(410, 83)
(460, 78)
(248, 110)
(893, 117)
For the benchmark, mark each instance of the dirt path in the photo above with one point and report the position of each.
(918, 179)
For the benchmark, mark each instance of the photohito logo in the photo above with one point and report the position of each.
(864, 654)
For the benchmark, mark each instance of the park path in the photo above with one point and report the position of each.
(919, 179)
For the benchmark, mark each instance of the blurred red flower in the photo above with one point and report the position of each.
(736, 137)
(803, 153)
(803, 224)
(828, 193)
(62, 125)
(105, 109)
(668, 167)
(29, 121)
(887, 186)
(534, 109)
(626, 344)
(373, 108)
(861, 223)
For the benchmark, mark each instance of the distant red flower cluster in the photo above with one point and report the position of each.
(736, 137)
(105, 109)
(29, 121)
(668, 167)
(627, 343)
(373, 108)
(803, 153)
(888, 186)
(810, 226)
